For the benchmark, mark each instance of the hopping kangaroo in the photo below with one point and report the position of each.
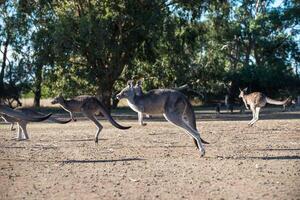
(256, 101)
(22, 117)
(89, 106)
(172, 104)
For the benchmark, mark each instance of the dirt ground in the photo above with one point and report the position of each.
(158, 161)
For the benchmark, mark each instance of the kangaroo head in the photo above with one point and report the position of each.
(127, 92)
(138, 88)
(58, 99)
(242, 92)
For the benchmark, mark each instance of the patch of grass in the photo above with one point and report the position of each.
(28, 95)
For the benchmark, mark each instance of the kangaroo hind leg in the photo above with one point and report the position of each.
(22, 132)
(19, 132)
(190, 119)
(177, 119)
(256, 117)
(253, 115)
(192, 123)
(93, 118)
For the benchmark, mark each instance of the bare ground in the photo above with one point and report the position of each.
(158, 161)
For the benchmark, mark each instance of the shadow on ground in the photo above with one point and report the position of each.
(102, 161)
(76, 161)
(289, 157)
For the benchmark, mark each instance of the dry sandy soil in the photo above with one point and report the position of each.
(158, 161)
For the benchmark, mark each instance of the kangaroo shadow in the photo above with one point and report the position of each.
(102, 161)
(284, 149)
(277, 158)
(74, 161)
(81, 140)
(12, 147)
(258, 157)
(162, 133)
(169, 146)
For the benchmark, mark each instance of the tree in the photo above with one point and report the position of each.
(255, 43)
(13, 29)
(95, 40)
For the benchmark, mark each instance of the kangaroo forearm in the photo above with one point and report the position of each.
(245, 102)
(68, 109)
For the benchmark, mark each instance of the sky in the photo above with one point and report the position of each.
(277, 3)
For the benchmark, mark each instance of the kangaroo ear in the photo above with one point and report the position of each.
(130, 83)
(240, 89)
(245, 89)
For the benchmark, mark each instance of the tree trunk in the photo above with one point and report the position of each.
(104, 94)
(37, 86)
(4, 58)
(37, 98)
(248, 52)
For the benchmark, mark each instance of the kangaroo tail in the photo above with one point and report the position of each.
(52, 119)
(39, 119)
(34, 113)
(20, 115)
(275, 102)
(106, 114)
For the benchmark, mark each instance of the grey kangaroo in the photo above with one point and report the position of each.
(30, 112)
(174, 106)
(89, 106)
(22, 117)
(256, 101)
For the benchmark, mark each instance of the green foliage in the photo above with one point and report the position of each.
(93, 47)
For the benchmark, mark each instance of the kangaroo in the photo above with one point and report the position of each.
(89, 106)
(29, 112)
(174, 106)
(21, 117)
(256, 101)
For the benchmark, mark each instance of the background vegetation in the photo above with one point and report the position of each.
(93, 47)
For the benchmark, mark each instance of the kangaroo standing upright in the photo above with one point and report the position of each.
(89, 106)
(174, 106)
(256, 101)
